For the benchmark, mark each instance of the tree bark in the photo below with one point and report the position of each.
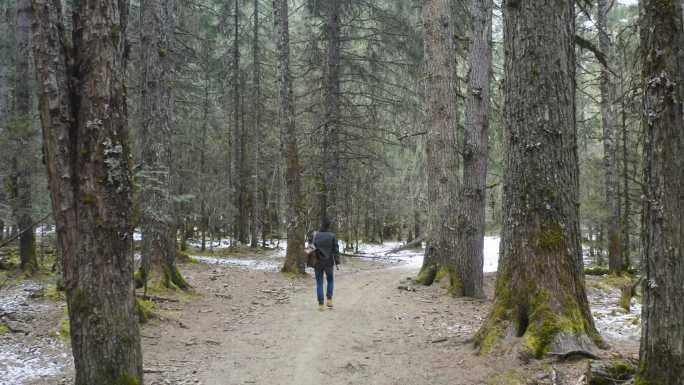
(331, 128)
(626, 210)
(441, 148)
(475, 152)
(204, 225)
(85, 134)
(21, 137)
(238, 172)
(615, 261)
(158, 21)
(256, 132)
(662, 58)
(540, 291)
(295, 258)
(5, 63)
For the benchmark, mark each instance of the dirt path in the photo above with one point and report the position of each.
(261, 328)
(241, 326)
(373, 335)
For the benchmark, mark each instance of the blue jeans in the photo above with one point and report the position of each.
(319, 283)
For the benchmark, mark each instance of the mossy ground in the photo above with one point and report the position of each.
(4, 329)
(611, 283)
(145, 308)
(52, 292)
(64, 329)
(240, 250)
(509, 377)
(293, 275)
(127, 379)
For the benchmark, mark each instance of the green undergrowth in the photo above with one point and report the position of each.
(4, 329)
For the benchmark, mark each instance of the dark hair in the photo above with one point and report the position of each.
(325, 225)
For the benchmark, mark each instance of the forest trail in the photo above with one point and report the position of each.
(376, 334)
(249, 326)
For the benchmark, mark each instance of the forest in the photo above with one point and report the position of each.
(496, 186)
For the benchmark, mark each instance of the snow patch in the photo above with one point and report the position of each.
(21, 362)
(612, 321)
(251, 264)
(31, 357)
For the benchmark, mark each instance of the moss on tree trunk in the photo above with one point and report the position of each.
(540, 302)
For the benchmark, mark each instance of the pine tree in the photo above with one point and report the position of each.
(540, 291)
(85, 131)
(662, 36)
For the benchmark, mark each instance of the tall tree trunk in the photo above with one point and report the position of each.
(158, 21)
(21, 136)
(236, 167)
(294, 259)
(662, 58)
(256, 132)
(624, 221)
(85, 133)
(330, 150)
(615, 261)
(237, 136)
(475, 151)
(5, 63)
(540, 292)
(245, 196)
(626, 209)
(204, 225)
(441, 148)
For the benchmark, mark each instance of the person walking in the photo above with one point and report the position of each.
(328, 249)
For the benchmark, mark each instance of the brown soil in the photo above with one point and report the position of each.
(254, 327)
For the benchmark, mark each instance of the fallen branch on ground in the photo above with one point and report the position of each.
(413, 243)
(363, 256)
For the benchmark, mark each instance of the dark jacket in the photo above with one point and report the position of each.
(326, 243)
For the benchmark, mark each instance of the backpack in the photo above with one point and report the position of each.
(323, 259)
(312, 257)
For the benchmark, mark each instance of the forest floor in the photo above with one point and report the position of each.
(244, 323)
